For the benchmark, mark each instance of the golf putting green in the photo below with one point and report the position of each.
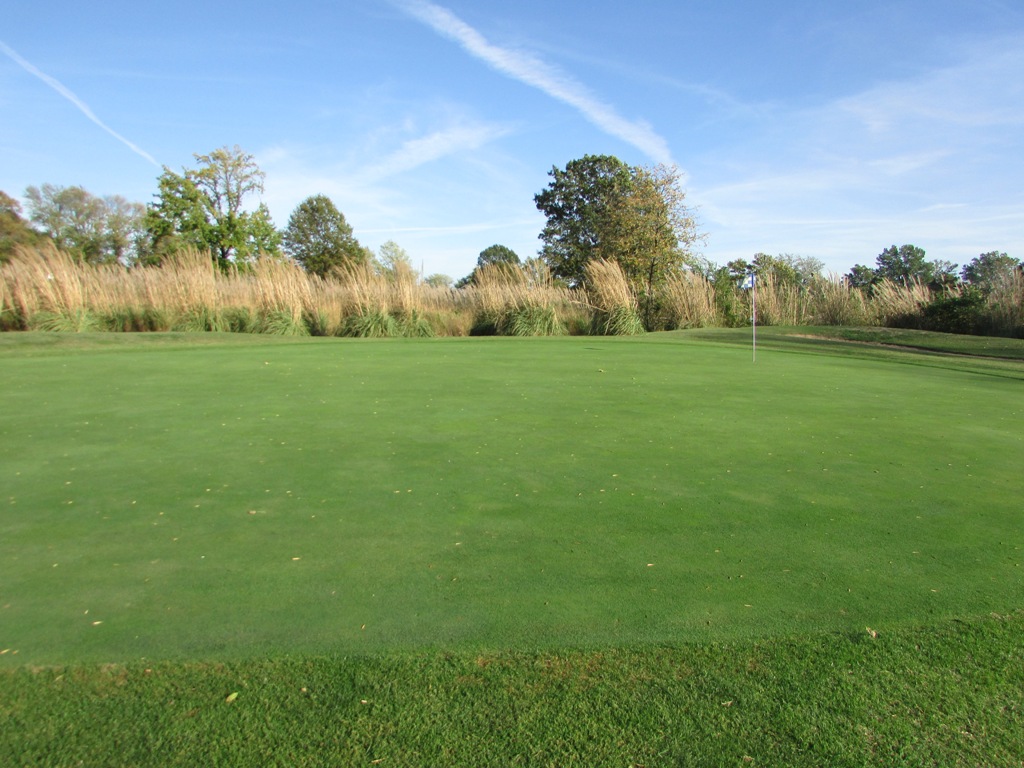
(171, 497)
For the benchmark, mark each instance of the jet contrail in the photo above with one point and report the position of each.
(543, 76)
(67, 94)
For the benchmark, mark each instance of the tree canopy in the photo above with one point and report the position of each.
(497, 254)
(319, 238)
(99, 230)
(576, 202)
(14, 230)
(205, 208)
(600, 208)
(988, 269)
(903, 265)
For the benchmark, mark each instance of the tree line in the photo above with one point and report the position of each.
(597, 208)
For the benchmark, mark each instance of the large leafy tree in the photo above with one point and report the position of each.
(207, 208)
(99, 230)
(988, 269)
(319, 237)
(600, 208)
(576, 203)
(648, 229)
(904, 265)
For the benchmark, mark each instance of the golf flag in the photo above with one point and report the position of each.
(750, 282)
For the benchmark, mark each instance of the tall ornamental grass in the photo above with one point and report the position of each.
(43, 288)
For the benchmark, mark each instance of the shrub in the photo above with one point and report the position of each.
(532, 320)
(415, 325)
(371, 324)
(620, 321)
(66, 321)
(961, 312)
(282, 323)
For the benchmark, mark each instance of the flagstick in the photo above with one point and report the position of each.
(753, 317)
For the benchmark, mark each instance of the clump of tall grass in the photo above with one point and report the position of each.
(893, 305)
(687, 300)
(44, 288)
(616, 312)
(833, 302)
(779, 302)
(1004, 305)
(516, 300)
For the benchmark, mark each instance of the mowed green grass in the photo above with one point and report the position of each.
(248, 498)
(251, 551)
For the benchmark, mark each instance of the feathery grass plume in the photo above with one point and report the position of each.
(898, 306)
(362, 289)
(1004, 309)
(47, 280)
(688, 301)
(11, 318)
(833, 302)
(778, 302)
(284, 294)
(188, 286)
(497, 290)
(521, 300)
(402, 282)
(616, 311)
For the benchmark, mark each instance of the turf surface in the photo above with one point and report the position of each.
(246, 498)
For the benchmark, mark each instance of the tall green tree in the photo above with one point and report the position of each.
(207, 208)
(319, 238)
(100, 230)
(904, 265)
(576, 203)
(600, 208)
(989, 269)
(648, 230)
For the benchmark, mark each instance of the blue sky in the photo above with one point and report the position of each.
(820, 129)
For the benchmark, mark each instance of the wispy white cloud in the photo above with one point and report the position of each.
(918, 160)
(533, 71)
(983, 90)
(455, 139)
(61, 89)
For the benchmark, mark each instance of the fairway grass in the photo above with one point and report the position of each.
(231, 508)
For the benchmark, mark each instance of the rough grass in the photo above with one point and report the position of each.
(948, 694)
(499, 551)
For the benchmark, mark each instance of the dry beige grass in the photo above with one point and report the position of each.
(894, 305)
(46, 288)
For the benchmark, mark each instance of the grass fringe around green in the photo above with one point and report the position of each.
(950, 695)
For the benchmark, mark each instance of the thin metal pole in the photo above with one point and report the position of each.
(753, 317)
